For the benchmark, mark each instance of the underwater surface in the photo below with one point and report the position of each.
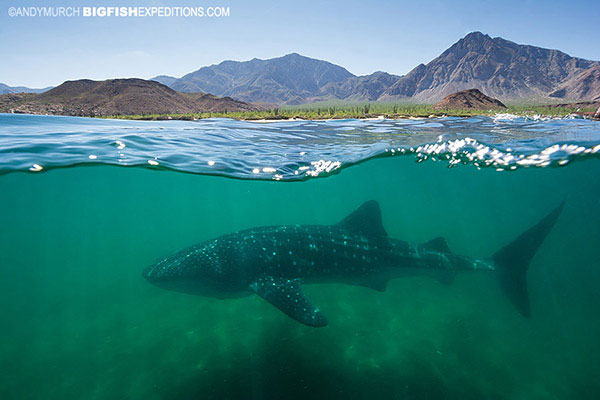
(79, 321)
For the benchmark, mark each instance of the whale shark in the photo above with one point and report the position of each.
(275, 261)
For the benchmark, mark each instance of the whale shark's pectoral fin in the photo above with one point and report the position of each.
(286, 295)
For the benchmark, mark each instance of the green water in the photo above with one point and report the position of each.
(78, 320)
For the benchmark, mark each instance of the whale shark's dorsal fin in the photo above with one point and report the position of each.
(437, 244)
(365, 219)
(286, 295)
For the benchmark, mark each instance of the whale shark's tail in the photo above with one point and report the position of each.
(513, 260)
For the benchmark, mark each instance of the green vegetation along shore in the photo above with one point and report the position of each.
(370, 110)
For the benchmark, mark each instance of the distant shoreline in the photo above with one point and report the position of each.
(587, 113)
(428, 112)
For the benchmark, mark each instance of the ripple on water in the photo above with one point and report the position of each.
(291, 150)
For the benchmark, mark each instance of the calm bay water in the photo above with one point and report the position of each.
(79, 321)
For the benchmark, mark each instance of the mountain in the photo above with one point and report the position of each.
(291, 79)
(360, 88)
(164, 79)
(116, 97)
(469, 99)
(582, 86)
(497, 66)
(206, 102)
(20, 89)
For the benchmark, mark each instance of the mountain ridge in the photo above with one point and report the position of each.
(500, 68)
(266, 81)
(5, 89)
(497, 66)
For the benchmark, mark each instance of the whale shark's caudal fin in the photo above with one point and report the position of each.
(513, 260)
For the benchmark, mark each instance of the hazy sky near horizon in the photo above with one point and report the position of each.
(362, 36)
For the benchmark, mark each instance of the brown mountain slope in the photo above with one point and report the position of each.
(291, 79)
(359, 88)
(117, 97)
(499, 67)
(583, 86)
(210, 103)
(472, 98)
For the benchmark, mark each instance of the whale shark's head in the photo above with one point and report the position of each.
(207, 269)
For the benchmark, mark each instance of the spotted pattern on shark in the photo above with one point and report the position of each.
(274, 261)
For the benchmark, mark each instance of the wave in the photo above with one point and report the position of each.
(291, 150)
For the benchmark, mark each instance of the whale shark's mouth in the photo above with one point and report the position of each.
(150, 273)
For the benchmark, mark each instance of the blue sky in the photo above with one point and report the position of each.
(362, 36)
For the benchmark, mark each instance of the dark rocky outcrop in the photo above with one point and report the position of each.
(469, 99)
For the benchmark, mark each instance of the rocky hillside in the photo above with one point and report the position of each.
(291, 79)
(469, 99)
(116, 97)
(210, 103)
(359, 88)
(500, 68)
(582, 86)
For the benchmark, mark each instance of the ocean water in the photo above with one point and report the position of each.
(87, 204)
